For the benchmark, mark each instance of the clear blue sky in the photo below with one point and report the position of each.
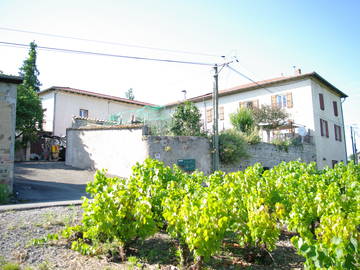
(268, 37)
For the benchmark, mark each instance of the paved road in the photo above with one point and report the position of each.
(49, 181)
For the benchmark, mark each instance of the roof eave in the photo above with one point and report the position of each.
(11, 79)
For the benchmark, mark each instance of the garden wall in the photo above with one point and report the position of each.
(7, 131)
(269, 155)
(119, 148)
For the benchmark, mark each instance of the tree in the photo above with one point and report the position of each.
(270, 118)
(29, 112)
(129, 94)
(186, 120)
(243, 120)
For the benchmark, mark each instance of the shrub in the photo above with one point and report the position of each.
(231, 147)
(4, 193)
(186, 120)
(242, 120)
(251, 137)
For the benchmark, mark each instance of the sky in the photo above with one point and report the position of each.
(268, 38)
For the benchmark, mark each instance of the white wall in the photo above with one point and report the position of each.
(47, 101)
(69, 105)
(328, 149)
(301, 112)
(112, 149)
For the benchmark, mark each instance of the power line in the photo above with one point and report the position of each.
(248, 78)
(108, 42)
(18, 45)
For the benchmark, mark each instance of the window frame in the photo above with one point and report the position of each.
(321, 101)
(81, 111)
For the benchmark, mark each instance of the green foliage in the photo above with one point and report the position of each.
(11, 266)
(4, 193)
(29, 113)
(243, 120)
(321, 207)
(129, 94)
(232, 147)
(252, 136)
(186, 120)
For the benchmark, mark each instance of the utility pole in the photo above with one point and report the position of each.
(215, 142)
(353, 144)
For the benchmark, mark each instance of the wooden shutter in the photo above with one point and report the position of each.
(273, 101)
(326, 128)
(255, 103)
(321, 127)
(241, 104)
(336, 132)
(339, 133)
(336, 113)
(321, 100)
(209, 115)
(221, 113)
(289, 100)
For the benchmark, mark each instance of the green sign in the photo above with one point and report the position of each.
(187, 165)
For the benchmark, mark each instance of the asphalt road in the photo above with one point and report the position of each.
(49, 181)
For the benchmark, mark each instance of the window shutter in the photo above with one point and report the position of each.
(321, 99)
(221, 113)
(209, 115)
(273, 101)
(336, 132)
(339, 133)
(336, 113)
(321, 127)
(241, 104)
(289, 101)
(255, 103)
(326, 129)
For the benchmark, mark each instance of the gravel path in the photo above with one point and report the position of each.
(19, 228)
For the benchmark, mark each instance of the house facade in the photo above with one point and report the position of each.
(61, 104)
(314, 105)
(8, 94)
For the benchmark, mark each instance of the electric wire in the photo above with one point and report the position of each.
(109, 42)
(11, 44)
(248, 78)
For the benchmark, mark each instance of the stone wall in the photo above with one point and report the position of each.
(270, 155)
(7, 131)
(117, 149)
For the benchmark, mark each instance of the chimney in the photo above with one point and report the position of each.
(297, 71)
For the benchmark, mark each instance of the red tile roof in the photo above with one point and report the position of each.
(93, 94)
(264, 84)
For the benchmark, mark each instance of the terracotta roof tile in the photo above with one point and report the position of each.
(93, 94)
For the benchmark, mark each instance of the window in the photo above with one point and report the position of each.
(221, 113)
(336, 113)
(324, 128)
(321, 100)
(282, 101)
(209, 115)
(84, 113)
(249, 104)
(337, 131)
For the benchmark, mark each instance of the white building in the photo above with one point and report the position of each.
(62, 103)
(311, 101)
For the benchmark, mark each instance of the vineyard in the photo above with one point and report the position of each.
(251, 207)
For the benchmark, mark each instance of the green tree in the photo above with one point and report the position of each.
(186, 120)
(243, 120)
(29, 112)
(129, 94)
(270, 118)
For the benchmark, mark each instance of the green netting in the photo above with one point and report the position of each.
(146, 115)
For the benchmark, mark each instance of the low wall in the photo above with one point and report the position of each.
(117, 149)
(7, 132)
(270, 155)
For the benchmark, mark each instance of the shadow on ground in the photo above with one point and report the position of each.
(49, 181)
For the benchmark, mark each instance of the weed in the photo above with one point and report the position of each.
(11, 266)
(44, 266)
